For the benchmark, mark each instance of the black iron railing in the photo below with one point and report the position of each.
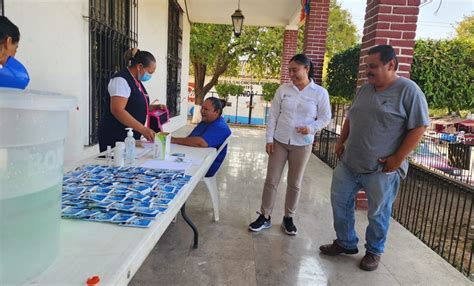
(324, 147)
(439, 212)
(435, 208)
(446, 155)
(248, 108)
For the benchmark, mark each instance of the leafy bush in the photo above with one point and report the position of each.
(226, 89)
(444, 70)
(269, 89)
(342, 73)
(339, 100)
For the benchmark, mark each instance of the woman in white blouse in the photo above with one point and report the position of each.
(299, 109)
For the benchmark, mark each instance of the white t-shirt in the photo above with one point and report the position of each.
(118, 86)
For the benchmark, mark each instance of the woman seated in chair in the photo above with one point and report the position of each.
(212, 131)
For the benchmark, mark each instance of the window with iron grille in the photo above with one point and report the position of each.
(175, 39)
(112, 30)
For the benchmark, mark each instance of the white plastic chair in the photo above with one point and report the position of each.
(211, 184)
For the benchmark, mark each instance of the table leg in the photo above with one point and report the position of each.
(190, 223)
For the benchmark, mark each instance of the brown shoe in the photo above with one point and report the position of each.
(370, 262)
(335, 249)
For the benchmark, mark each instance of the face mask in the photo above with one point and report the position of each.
(146, 76)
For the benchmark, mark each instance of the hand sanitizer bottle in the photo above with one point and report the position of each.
(129, 147)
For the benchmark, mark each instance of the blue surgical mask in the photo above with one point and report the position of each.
(146, 76)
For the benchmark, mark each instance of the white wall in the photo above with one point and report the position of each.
(153, 37)
(54, 47)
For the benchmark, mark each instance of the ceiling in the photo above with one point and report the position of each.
(256, 12)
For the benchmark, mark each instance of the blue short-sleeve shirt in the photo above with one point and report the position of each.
(214, 133)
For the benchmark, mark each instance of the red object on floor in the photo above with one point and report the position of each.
(361, 201)
(94, 280)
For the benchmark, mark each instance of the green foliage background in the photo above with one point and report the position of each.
(269, 89)
(444, 70)
(342, 73)
(226, 89)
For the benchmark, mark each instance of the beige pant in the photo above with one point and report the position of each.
(297, 157)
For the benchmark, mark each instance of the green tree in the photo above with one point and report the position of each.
(342, 73)
(342, 32)
(269, 89)
(465, 28)
(226, 89)
(211, 52)
(444, 70)
(215, 51)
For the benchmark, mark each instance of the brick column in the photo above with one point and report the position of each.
(315, 34)
(290, 44)
(390, 22)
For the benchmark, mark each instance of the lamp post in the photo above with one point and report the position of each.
(237, 21)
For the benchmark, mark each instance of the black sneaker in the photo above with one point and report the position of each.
(288, 226)
(261, 223)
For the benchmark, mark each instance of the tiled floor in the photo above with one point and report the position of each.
(229, 254)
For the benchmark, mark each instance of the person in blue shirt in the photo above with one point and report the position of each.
(212, 131)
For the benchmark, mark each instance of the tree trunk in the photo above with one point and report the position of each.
(200, 90)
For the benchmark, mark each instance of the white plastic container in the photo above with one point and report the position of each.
(33, 128)
(119, 154)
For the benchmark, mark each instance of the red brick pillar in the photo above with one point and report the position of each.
(290, 44)
(388, 22)
(315, 34)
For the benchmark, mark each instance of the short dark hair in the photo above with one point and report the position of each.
(134, 57)
(8, 29)
(216, 103)
(387, 53)
(304, 60)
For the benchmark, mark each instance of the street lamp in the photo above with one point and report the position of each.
(237, 21)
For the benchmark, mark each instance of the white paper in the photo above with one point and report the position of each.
(141, 151)
(163, 164)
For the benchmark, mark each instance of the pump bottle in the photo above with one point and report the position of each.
(129, 147)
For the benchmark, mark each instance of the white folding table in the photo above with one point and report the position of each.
(112, 252)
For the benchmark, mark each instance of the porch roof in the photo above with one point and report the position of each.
(256, 12)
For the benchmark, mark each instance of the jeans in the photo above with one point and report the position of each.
(381, 190)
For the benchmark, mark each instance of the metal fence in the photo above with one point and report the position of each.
(434, 207)
(439, 212)
(446, 155)
(247, 108)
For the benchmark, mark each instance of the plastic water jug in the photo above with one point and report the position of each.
(33, 128)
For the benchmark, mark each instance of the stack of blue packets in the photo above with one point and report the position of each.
(127, 196)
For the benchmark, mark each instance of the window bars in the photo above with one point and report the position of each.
(175, 39)
(113, 26)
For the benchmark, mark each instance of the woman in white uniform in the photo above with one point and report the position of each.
(299, 109)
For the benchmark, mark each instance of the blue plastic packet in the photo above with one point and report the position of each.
(13, 74)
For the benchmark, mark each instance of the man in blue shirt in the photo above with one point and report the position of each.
(212, 131)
